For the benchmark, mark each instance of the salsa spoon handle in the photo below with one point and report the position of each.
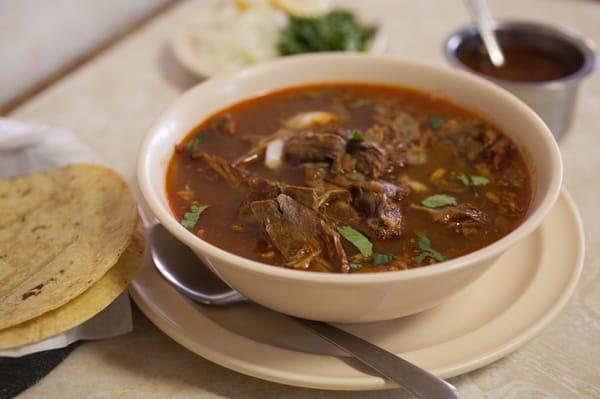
(484, 22)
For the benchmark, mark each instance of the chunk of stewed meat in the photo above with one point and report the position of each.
(310, 146)
(369, 158)
(462, 218)
(299, 233)
(381, 204)
(476, 142)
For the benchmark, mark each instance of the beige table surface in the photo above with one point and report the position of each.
(111, 101)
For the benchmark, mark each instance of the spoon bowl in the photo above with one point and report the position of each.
(180, 266)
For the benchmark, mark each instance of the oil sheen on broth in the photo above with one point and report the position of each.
(348, 178)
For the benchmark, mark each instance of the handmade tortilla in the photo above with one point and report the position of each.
(80, 309)
(60, 232)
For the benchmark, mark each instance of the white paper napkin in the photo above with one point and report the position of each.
(25, 149)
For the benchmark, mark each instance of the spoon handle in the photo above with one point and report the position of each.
(417, 381)
(483, 20)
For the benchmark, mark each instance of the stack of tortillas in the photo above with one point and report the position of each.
(67, 249)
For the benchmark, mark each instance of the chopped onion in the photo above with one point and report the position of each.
(414, 184)
(274, 154)
(228, 37)
(416, 156)
(311, 118)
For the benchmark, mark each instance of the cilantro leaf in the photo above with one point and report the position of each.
(382, 259)
(421, 257)
(360, 102)
(194, 143)
(464, 179)
(438, 201)
(424, 244)
(190, 218)
(357, 239)
(479, 180)
(472, 180)
(436, 122)
(356, 136)
(316, 94)
(437, 256)
(356, 265)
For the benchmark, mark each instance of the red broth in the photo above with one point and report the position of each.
(448, 182)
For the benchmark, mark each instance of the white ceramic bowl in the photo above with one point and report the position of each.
(359, 297)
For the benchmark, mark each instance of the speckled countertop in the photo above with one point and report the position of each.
(110, 102)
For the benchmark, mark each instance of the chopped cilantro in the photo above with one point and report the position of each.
(464, 179)
(360, 102)
(316, 94)
(435, 255)
(438, 201)
(472, 180)
(382, 259)
(190, 218)
(357, 239)
(424, 244)
(436, 122)
(194, 143)
(356, 265)
(421, 257)
(479, 180)
(356, 136)
(338, 30)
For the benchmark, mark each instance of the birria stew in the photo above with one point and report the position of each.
(348, 178)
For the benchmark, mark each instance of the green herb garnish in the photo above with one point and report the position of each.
(356, 265)
(190, 218)
(382, 259)
(464, 179)
(194, 143)
(479, 180)
(435, 255)
(438, 201)
(337, 30)
(316, 94)
(472, 180)
(421, 257)
(424, 244)
(360, 102)
(357, 239)
(436, 122)
(356, 136)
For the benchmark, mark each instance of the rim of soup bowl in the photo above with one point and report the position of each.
(532, 221)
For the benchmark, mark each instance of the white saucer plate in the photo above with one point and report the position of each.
(187, 55)
(494, 316)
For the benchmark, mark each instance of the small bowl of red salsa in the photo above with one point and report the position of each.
(544, 65)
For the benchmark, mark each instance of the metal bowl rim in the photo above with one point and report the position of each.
(584, 45)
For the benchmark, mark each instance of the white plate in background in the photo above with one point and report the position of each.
(187, 55)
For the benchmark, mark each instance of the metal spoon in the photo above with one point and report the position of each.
(180, 266)
(481, 14)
